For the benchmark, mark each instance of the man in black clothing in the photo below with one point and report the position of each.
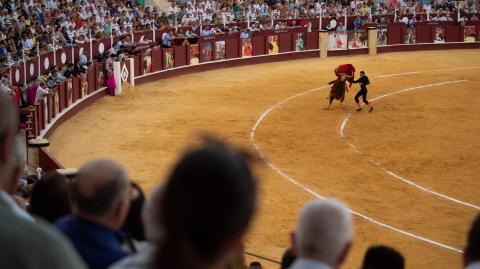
(364, 81)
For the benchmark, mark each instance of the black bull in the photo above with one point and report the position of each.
(337, 92)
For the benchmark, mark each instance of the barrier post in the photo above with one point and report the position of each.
(117, 74)
(323, 43)
(33, 160)
(132, 71)
(372, 40)
(68, 173)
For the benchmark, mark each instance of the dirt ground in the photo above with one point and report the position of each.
(429, 135)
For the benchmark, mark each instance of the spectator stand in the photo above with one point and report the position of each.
(149, 62)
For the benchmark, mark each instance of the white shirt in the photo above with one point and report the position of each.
(303, 263)
(473, 265)
(172, 10)
(40, 94)
(333, 24)
(27, 43)
(4, 89)
(16, 209)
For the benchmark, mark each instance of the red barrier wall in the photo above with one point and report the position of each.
(62, 96)
(47, 162)
(285, 41)
(395, 35)
(232, 49)
(67, 95)
(424, 34)
(312, 41)
(453, 34)
(180, 53)
(259, 45)
(157, 62)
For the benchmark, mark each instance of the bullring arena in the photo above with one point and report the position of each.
(408, 170)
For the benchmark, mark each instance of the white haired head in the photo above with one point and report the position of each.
(324, 231)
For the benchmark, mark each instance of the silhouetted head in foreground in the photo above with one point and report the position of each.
(207, 205)
(51, 198)
(382, 257)
(472, 250)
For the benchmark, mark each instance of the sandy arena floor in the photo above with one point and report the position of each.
(429, 135)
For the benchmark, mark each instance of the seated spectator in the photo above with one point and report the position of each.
(357, 23)
(288, 258)
(244, 34)
(207, 205)
(3, 50)
(58, 76)
(5, 86)
(25, 244)
(109, 63)
(143, 40)
(167, 39)
(50, 79)
(15, 203)
(133, 225)
(143, 259)
(41, 92)
(323, 236)
(100, 196)
(341, 27)
(255, 265)
(68, 72)
(381, 257)
(471, 255)
(79, 69)
(206, 31)
(50, 198)
(83, 58)
(412, 21)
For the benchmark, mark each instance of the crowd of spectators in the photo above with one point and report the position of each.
(197, 218)
(101, 219)
(32, 26)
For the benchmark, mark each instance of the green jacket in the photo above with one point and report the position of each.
(28, 245)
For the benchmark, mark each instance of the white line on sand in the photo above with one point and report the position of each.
(310, 191)
(344, 123)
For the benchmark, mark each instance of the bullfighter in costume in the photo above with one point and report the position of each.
(347, 70)
(363, 81)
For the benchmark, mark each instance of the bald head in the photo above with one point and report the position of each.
(100, 186)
